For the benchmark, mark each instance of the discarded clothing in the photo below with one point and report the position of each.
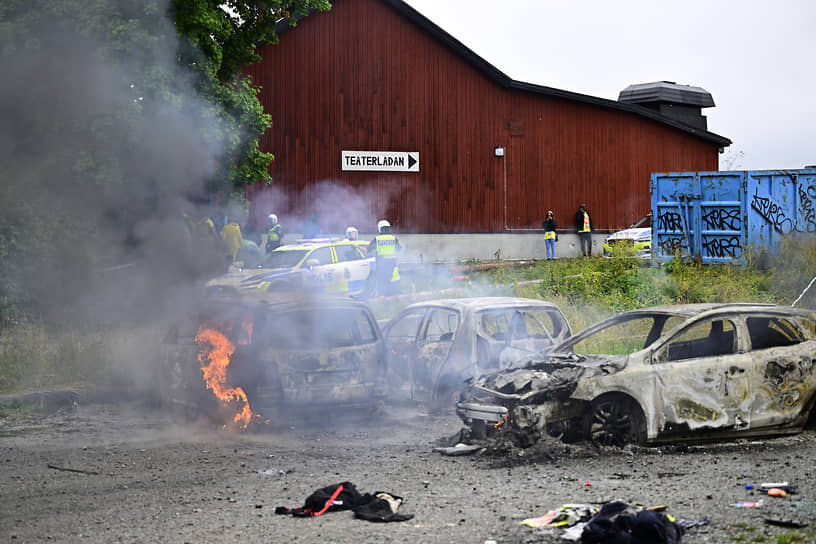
(619, 523)
(691, 523)
(342, 496)
(565, 516)
(380, 507)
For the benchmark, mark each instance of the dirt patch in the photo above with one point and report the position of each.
(130, 475)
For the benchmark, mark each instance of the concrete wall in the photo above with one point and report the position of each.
(456, 247)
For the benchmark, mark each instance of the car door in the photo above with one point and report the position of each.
(703, 379)
(319, 269)
(352, 266)
(785, 379)
(401, 342)
(434, 341)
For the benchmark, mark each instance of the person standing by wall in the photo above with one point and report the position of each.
(584, 223)
(549, 225)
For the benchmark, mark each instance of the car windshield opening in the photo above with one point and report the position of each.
(284, 259)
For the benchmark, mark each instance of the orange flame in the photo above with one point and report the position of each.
(214, 357)
(506, 420)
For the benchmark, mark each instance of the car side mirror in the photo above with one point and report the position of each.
(312, 262)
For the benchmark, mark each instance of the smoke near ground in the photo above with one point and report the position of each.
(103, 145)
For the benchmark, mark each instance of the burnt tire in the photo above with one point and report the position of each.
(615, 420)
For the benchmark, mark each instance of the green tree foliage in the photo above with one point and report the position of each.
(112, 121)
(218, 39)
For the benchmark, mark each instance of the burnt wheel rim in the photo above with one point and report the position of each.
(613, 423)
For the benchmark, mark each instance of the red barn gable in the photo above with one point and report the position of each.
(487, 153)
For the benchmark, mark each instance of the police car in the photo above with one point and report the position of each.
(318, 264)
(635, 241)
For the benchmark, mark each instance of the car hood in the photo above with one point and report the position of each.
(638, 234)
(250, 278)
(557, 377)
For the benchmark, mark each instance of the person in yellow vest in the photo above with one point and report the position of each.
(549, 225)
(232, 240)
(274, 238)
(384, 247)
(584, 222)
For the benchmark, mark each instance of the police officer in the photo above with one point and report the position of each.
(385, 247)
(275, 236)
(352, 234)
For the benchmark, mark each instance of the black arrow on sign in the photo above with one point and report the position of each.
(411, 161)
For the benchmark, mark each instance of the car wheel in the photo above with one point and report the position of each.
(615, 420)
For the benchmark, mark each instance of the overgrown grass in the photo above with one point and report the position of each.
(588, 290)
(32, 358)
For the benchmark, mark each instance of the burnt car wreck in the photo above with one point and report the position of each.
(434, 346)
(680, 373)
(252, 357)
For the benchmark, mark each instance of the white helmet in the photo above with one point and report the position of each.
(351, 233)
(273, 219)
(382, 224)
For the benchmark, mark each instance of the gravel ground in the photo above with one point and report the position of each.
(114, 473)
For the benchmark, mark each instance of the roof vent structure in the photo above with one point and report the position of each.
(682, 103)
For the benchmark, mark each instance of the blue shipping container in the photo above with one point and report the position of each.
(715, 216)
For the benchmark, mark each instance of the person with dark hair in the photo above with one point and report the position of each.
(549, 225)
(584, 223)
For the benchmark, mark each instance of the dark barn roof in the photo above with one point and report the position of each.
(421, 90)
(507, 82)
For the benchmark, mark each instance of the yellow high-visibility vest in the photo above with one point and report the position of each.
(386, 246)
(586, 223)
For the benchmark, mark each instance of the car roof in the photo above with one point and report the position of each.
(481, 303)
(312, 243)
(702, 307)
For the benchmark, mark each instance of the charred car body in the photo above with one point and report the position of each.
(263, 353)
(434, 346)
(672, 373)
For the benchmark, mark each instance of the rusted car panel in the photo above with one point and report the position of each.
(282, 352)
(433, 346)
(698, 371)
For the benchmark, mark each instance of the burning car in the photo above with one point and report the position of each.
(433, 346)
(669, 373)
(260, 354)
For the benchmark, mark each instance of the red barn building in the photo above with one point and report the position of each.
(480, 152)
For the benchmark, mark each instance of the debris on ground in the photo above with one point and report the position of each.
(380, 506)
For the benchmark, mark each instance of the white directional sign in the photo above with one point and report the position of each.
(381, 161)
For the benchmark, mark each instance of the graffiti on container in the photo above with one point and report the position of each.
(722, 246)
(670, 221)
(670, 246)
(722, 219)
(806, 211)
(773, 212)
